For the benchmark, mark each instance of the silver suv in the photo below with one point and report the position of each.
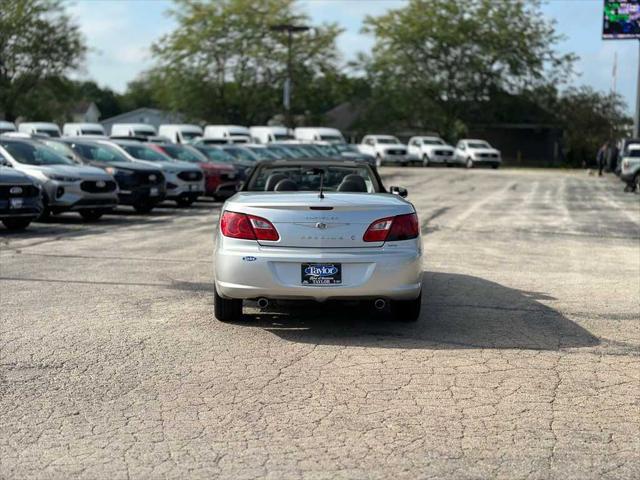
(185, 181)
(66, 186)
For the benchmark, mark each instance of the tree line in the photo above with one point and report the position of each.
(436, 66)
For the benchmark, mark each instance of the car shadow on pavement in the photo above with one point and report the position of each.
(458, 311)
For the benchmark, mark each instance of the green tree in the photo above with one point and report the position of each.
(438, 57)
(589, 119)
(38, 42)
(223, 63)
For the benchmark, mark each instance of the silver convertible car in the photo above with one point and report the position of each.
(318, 230)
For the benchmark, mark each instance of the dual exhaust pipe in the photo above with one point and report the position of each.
(378, 303)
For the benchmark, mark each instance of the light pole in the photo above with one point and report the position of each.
(636, 120)
(290, 29)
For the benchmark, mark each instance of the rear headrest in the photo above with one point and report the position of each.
(272, 181)
(352, 183)
(286, 185)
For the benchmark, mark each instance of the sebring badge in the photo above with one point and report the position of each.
(101, 184)
(152, 177)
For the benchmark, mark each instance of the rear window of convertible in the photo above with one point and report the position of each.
(307, 178)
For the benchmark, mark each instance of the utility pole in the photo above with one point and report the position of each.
(636, 120)
(290, 29)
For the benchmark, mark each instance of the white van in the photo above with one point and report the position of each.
(133, 130)
(180, 133)
(319, 134)
(6, 127)
(270, 134)
(83, 130)
(230, 133)
(42, 128)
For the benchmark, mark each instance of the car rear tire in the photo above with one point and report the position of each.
(16, 224)
(406, 311)
(226, 310)
(91, 215)
(495, 166)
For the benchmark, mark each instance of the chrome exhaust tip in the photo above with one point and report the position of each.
(263, 302)
(380, 303)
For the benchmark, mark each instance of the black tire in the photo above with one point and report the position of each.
(406, 311)
(226, 310)
(16, 224)
(495, 166)
(143, 207)
(44, 214)
(425, 160)
(185, 201)
(91, 215)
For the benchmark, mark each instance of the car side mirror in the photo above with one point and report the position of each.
(399, 191)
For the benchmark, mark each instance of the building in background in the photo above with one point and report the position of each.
(85, 112)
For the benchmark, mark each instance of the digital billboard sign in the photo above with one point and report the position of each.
(621, 19)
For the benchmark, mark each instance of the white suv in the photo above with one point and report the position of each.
(630, 170)
(385, 149)
(472, 152)
(431, 150)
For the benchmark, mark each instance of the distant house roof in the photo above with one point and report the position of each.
(137, 111)
(83, 107)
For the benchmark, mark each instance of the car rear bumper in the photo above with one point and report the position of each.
(250, 271)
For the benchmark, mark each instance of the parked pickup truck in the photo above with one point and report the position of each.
(385, 149)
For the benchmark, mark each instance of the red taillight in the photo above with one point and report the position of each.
(247, 227)
(400, 227)
(264, 229)
(378, 230)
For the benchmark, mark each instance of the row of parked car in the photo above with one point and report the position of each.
(377, 149)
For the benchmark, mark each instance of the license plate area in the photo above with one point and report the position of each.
(321, 273)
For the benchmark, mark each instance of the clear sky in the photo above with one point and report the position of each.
(119, 33)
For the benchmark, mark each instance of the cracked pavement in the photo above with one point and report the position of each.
(524, 364)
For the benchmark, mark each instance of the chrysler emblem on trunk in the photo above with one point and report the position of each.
(321, 225)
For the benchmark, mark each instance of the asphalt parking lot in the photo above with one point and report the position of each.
(525, 362)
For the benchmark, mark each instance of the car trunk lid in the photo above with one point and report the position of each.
(304, 220)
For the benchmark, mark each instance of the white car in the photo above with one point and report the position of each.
(270, 134)
(6, 127)
(630, 168)
(319, 134)
(180, 133)
(41, 128)
(431, 150)
(318, 230)
(133, 130)
(226, 134)
(472, 152)
(83, 130)
(385, 149)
